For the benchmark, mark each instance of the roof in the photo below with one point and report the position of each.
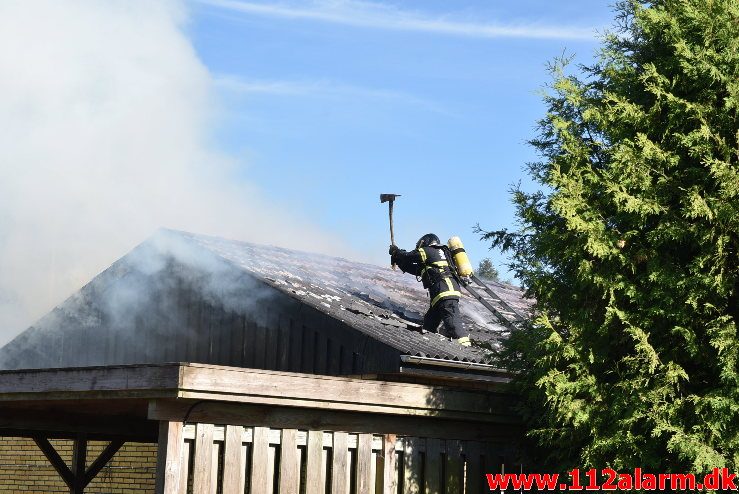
(383, 304)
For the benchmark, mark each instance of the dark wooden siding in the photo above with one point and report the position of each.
(176, 323)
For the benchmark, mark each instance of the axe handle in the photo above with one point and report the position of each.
(392, 235)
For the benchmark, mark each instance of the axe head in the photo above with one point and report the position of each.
(388, 197)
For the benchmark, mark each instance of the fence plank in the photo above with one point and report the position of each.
(314, 464)
(203, 467)
(259, 480)
(473, 474)
(271, 466)
(340, 465)
(493, 460)
(233, 472)
(454, 468)
(214, 480)
(169, 457)
(244, 462)
(411, 466)
(187, 450)
(432, 472)
(390, 466)
(364, 464)
(373, 487)
(289, 466)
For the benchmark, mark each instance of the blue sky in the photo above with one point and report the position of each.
(327, 104)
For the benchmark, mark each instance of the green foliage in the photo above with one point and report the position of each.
(631, 249)
(487, 271)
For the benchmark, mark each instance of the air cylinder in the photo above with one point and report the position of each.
(464, 268)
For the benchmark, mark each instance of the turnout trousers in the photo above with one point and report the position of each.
(446, 311)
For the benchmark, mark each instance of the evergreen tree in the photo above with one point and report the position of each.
(631, 248)
(486, 270)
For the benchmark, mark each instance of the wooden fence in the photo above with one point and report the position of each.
(259, 460)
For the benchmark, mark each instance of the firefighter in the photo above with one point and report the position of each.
(429, 261)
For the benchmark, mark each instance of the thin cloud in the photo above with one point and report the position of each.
(379, 16)
(321, 88)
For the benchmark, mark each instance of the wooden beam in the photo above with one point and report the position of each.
(105, 456)
(32, 432)
(338, 393)
(169, 458)
(93, 382)
(78, 477)
(56, 461)
(327, 420)
(60, 424)
(218, 383)
(79, 464)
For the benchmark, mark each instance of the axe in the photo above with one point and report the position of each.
(390, 198)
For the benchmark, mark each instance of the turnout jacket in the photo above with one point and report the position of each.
(432, 265)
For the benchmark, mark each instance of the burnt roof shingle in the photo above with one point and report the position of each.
(384, 304)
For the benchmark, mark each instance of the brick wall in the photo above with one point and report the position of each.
(23, 468)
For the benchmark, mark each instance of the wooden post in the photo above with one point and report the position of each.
(169, 458)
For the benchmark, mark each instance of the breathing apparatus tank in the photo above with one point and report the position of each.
(459, 256)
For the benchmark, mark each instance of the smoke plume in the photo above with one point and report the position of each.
(106, 131)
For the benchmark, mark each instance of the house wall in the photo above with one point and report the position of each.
(23, 468)
(170, 318)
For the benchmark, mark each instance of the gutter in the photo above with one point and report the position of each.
(438, 362)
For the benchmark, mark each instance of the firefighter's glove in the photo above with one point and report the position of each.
(393, 250)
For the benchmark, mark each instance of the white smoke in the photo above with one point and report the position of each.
(106, 118)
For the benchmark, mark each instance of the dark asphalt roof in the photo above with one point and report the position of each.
(384, 304)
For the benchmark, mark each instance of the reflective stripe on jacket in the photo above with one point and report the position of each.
(436, 274)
